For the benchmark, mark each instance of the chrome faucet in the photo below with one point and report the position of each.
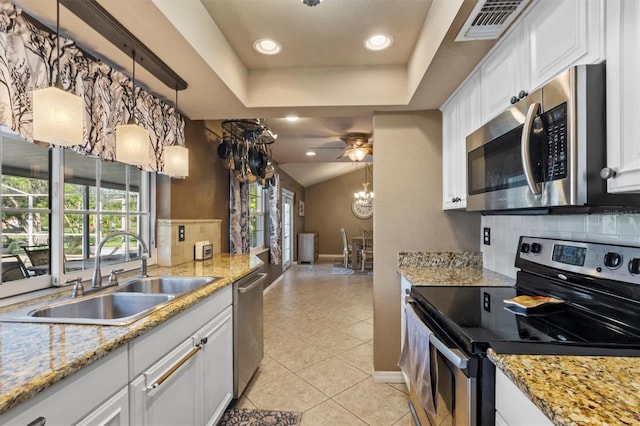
(96, 281)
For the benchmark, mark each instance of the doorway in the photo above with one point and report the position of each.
(287, 229)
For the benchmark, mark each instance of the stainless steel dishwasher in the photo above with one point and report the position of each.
(248, 342)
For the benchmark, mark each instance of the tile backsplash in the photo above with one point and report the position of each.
(600, 228)
(171, 251)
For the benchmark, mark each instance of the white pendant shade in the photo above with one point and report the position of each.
(176, 161)
(132, 144)
(58, 117)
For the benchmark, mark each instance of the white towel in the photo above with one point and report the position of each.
(418, 361)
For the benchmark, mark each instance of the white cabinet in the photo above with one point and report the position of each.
(502, 74)
(216, 362)
(165, 394)
(76, 396)
(559, 34)
(114, 412)
(460, 117)
(193, 383)
(551, 37)
(513, 408)
(405, 289)
(623, 92)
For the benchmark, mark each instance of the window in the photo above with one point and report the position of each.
(101, 198)
(26, 215)
(256, 215)
(57, 205)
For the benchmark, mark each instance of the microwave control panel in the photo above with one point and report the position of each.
(555, 126)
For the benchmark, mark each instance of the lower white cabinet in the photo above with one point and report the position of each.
(114, 412)
(217, 366)
(192, 384)
(513, 408)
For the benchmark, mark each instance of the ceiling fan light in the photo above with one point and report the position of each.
(357, 154)
(176, 161)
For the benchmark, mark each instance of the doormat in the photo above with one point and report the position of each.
(247, 417)
(302, 267)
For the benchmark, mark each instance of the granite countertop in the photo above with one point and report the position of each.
(35, 356)
(437, 276)
(577, 390)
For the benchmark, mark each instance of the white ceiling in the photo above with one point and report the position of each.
(323, 74)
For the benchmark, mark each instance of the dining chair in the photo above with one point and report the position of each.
(346, 248)
(366, 252)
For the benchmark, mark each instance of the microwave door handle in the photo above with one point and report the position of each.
(525, 142)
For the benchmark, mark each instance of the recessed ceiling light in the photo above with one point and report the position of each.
(378, 42)
(266, 46)
(311, 153)
(292, 118)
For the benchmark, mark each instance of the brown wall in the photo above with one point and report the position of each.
(328, 208)
(408, 215)
(204, 194)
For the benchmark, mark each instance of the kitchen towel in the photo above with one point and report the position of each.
(418, 361)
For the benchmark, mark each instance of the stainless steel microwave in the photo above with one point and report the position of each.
(546, 152)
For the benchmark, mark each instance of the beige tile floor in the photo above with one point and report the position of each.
(319, 353)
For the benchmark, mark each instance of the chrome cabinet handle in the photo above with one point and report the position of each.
(608, 173)
(525, 142)
(178, 364)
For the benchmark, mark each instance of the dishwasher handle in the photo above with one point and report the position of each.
(251, 285)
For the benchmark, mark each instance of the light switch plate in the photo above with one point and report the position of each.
(181, 236)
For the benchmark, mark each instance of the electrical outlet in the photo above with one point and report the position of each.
(181, 236)
(486, 301)
(486, 236)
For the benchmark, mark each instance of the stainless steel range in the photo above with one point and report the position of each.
(598, 284)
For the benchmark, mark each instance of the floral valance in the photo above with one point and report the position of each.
(28, 60)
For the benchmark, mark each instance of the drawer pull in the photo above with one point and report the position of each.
(178, 364)
(40, 421)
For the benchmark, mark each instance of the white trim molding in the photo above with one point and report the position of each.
(388, 376)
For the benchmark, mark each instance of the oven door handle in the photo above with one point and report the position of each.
(525, 143)
(455, 356)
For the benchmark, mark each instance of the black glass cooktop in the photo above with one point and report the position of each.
(477, 318)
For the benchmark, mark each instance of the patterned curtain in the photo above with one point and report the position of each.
(239, 216)
(28, 59)
(275, 227)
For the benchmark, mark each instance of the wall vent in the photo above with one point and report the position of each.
(489, 19)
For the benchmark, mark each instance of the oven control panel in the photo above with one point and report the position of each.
(613, 262)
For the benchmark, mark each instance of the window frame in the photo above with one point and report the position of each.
(261, 213)
(57, 276)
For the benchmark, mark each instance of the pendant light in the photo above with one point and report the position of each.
(176, 157)
(132, 140)
(58, 116)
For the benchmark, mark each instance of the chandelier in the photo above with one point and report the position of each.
(365, 196)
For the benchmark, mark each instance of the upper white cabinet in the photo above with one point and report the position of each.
(502, 75)
(551, 37)
(623, 91)
(560, 34)
(461, 116)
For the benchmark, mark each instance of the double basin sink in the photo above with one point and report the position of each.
(126, 303)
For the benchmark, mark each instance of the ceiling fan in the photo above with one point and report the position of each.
(358, 146)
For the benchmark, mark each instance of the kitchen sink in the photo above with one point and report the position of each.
(121, 305)
(165, 285)
(99, 309)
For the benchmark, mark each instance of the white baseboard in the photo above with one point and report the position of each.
(388, 377)
(330, 255)
(273, 284)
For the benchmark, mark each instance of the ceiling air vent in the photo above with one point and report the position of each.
(489, 18)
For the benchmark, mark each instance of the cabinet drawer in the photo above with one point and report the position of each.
(149, 348)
